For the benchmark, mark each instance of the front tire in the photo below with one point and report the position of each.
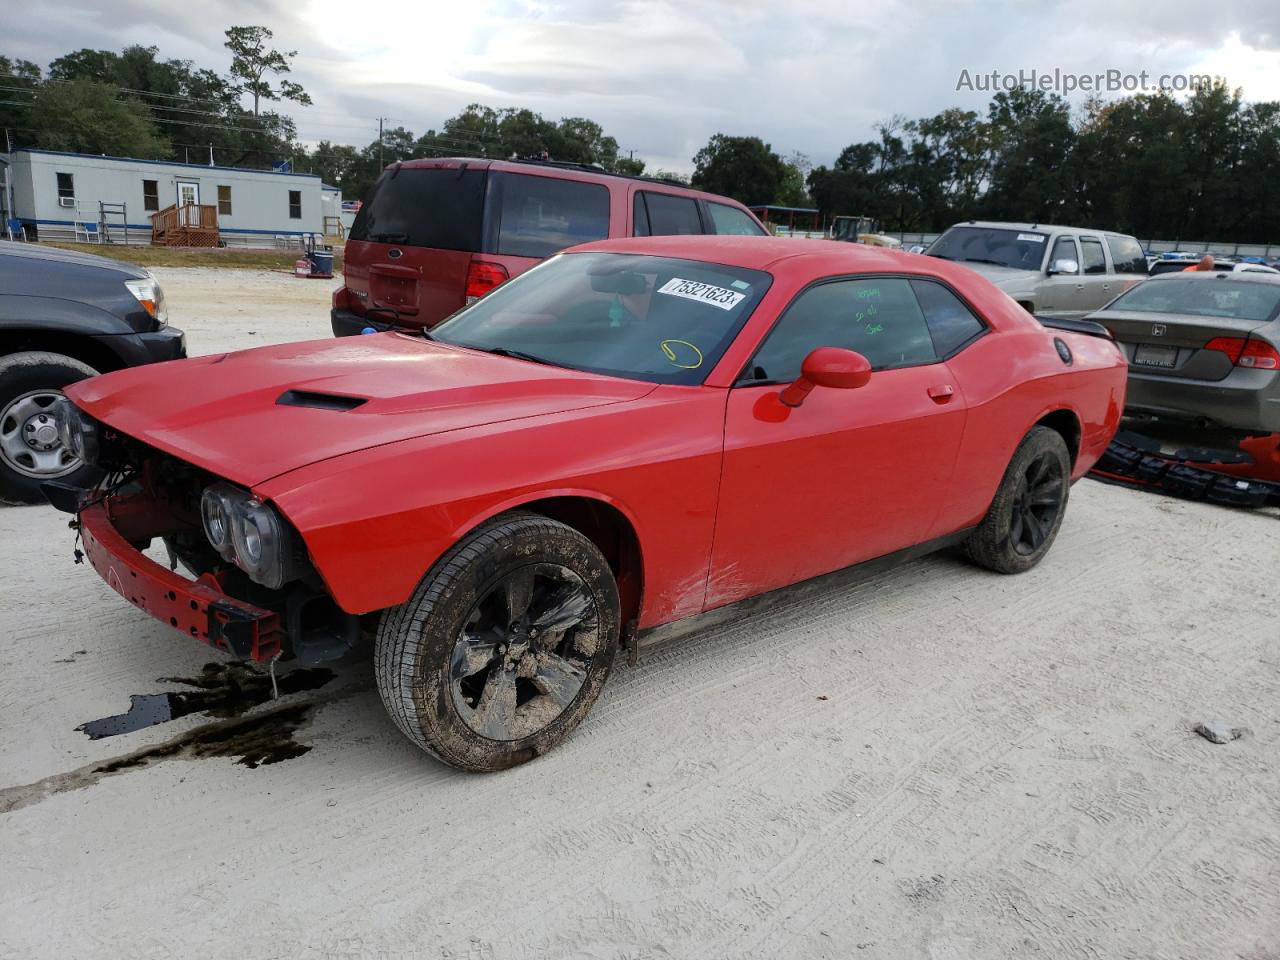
(1028, 508)
(30, 451)
(503, 648)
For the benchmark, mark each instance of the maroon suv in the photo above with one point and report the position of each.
(433, 235)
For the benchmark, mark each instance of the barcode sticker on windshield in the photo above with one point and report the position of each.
(720, 297)
(1033, 237)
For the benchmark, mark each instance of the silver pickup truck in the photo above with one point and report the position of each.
(1051, 271)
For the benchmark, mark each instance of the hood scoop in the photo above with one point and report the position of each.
(319, 401)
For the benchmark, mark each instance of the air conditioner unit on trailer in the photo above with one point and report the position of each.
(66, 201)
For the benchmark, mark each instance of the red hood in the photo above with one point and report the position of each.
(221, 413)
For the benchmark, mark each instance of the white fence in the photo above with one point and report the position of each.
(1225, 248)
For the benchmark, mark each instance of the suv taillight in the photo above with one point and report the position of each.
(483, 276)
(1246, 353)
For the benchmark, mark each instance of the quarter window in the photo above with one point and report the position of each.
(541, 216)
(150, 195)
(66, 187)
(224, 202)
(295, 204)
(669, 215)
(1065, 249)
(879, 318)
(1094, 259)
(951, 323)
(732, 221)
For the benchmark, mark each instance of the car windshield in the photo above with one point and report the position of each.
(644, 318)
(996, 246)
(1203, 296)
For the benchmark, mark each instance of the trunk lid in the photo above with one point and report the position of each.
(1172, 344)
(254, 415)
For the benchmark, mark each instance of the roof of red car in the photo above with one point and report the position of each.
(761, 253)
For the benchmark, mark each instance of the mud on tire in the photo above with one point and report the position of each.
(1026, 514)
(451, 627)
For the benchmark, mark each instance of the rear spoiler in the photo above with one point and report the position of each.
(1087, 327)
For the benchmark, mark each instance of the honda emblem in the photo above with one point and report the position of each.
(1158, 329)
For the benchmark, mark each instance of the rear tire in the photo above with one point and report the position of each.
(1028, 508)
(29, 383)
(505, 645)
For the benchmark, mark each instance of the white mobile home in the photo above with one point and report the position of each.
(72, 196)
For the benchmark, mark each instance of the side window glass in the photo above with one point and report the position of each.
(1094, 260)
(731, 220)
(951, 323)
(639, 217)
(1127, 255)
(1065, 249)
(880, 319)
(543, 215)
(670, 215)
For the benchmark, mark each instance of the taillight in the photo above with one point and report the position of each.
(1231, 346)
(1256, 354)
(483, 276)
(342, 298)
(1259, 355)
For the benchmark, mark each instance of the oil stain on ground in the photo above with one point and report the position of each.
(260, 738)
(223, 690)
(263, 738)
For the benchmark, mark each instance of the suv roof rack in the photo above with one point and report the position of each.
(590, 168)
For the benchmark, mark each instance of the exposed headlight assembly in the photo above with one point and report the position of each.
(148, 293)
(250, 534)
(77, 430)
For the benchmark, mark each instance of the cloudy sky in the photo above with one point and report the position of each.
(661, 77)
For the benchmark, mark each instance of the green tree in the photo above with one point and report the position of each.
(251, 63)
(85, 117)
(745, 168)
(99, 66)
(1032, 140)
(793, 191)
(24, 77)
(342, 166)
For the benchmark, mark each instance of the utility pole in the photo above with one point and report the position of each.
(380, 163)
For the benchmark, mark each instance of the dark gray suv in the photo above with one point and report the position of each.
(65, 316)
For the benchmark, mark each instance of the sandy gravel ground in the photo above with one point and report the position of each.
(237, 309)
(933, 762)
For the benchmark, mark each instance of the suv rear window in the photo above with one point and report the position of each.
(540, 216)
(442, 208)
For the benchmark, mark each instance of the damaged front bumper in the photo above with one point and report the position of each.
(199, 608)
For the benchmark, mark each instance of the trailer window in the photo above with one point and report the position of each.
(66, 187)
(150, 194)
(295, 204)
(224, 202)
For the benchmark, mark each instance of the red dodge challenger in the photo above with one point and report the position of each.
(632, 433)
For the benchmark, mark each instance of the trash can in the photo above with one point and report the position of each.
(321, 263)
